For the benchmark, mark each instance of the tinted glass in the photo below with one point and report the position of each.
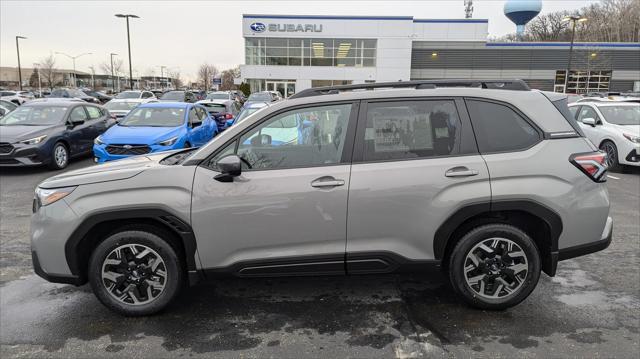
(173, 96)
(35, 116)
(94, 112)
(128, 94)
(120, 106)
(499, 128)
(299, 138)
(154, 117)
(621, 115)
(411, 129)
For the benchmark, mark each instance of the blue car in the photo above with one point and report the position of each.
(155, 127)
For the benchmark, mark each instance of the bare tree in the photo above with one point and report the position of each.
(176, 79)
(227, 78)
(48, 71)
(117, 67)
(206, 72)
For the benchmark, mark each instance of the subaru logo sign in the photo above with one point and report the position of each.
(127, 147)
(258, 27)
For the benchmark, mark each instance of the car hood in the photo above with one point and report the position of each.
(110, 171)
(13, 134)
(139, 135)
(631, 129)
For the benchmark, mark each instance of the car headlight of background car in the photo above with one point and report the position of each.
(34, 141)
(98, 141)
(168, 142)
(45, 196)
(632, 138)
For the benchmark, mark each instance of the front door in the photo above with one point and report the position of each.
(81, 135)
(415, 163)
(286, 213)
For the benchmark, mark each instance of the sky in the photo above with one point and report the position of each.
(181, 35)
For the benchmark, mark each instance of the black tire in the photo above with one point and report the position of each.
(56, 163)
(151, 238)
(458, 260)
(611, 150)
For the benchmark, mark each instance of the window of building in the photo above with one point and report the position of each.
(320, 83)
(411, 129)
(499, 128)
(310, 52)
(582, 82)
(299, 138)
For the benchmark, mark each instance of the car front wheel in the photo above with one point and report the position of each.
(60, 156)
(612, 155)
(494, 266)
(135, 272)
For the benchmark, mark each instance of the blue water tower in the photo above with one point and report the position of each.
(520, 12)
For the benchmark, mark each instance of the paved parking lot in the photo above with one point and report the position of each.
(590, 309)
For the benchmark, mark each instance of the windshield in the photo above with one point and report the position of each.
(76, 93)
(246, 112)
(129, 94)
(34, 116)
(260, 97)
(621, 115)
(173, 95)
(120, 106)
(10, 105)
(154, 117)
(218, 96)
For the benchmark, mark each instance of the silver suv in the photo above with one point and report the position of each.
(489, 180)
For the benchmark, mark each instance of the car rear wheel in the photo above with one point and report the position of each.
(135, 272)
(494, 266)
(612, 155)
(60, 156)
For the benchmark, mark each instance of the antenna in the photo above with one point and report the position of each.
(468, 9)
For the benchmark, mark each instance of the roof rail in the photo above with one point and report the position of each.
(517, 85)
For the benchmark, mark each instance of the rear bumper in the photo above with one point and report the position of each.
(587, 248)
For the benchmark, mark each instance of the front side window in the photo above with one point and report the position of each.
(154, 117)
(194, 119)
(34, 116)
(588, 112)
(299, 138)
(78, 114)
(499, 128)
(411, 129)
(94, 112)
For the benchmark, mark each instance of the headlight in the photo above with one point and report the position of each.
(35, 140)
(98, 141)
(631, 138)
(47, 196)
(168, 142)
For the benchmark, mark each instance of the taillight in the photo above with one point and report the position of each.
(593, 164)
(228, 116)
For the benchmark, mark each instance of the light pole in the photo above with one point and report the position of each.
(162, 76)
(37, 66)
(573, 19)
(127, 16)
(19, 68)
(113, 84)
(74, 63)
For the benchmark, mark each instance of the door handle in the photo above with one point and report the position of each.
(327, 181)
(460, 171)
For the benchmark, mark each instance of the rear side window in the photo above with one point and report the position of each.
(499, 128)
(411, 129)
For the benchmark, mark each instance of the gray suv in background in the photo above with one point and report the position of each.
(489, 180)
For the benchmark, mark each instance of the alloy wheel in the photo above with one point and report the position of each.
(611, 154)
(495, 268)
(134, 274)
(60, 156)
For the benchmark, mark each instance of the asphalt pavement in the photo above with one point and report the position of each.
(590, 309)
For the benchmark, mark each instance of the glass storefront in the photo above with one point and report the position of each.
(310, 52)
(581, 82)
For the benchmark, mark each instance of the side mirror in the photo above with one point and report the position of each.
(589, 121)
(229, 167)
(74, 123)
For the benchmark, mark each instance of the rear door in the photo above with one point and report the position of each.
(415, 163)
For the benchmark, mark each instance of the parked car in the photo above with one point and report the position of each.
(239, 96)
(27, 94)
(222, 111)
(179, 96)
(133, 94)
(199, 94)
(50, 132)
(6, 107)
(220, 95)
(158, 93)
(249, 109)
(155, 127)
(13, 96)
(73, 93)
(119, 108)
(101, 96)
(614, 127)
(350, 182)
(264, 96)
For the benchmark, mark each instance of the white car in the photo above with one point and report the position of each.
(612, 126)
(119, 108)
(133, 94)
(14, 96)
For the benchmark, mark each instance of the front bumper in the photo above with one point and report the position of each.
(101, 155)
(65, 279)
(629, 153)
(22, 155)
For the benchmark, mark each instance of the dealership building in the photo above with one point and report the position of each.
(290, 53)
